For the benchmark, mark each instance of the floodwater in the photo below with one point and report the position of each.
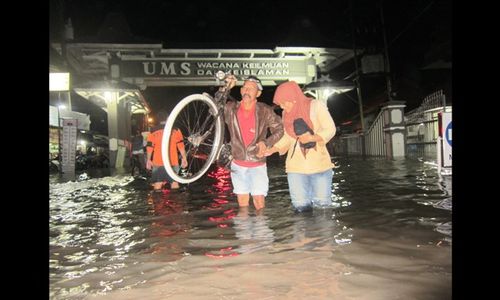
(387, 236)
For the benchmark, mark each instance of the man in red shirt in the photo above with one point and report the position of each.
(154, 158)
(248, 122)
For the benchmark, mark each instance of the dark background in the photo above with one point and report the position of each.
(418, 34)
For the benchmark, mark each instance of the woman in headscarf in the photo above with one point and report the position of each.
(308, 163)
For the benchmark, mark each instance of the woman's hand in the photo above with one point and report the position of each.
(306, 138)
(270, 151)
(262, 148)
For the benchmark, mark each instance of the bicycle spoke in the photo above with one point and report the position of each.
(202, 134)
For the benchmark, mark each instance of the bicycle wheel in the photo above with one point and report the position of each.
(200, 123)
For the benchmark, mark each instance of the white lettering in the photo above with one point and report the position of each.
(166, 70)
(200, 68)
(185, 68)
(147, 70)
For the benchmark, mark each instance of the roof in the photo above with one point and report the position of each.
(95, 91)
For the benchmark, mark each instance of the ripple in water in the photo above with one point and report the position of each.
(112, 233)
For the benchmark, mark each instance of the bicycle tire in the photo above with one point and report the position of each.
(201, 124)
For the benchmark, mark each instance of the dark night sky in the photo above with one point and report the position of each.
(418, 32)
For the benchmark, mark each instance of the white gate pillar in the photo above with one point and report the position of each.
(118, 128)
(394, 129)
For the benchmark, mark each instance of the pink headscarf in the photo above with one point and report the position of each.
(290, 91)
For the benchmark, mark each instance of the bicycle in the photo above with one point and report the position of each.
(200, 118)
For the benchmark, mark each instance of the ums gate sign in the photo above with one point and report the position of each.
(265, 69)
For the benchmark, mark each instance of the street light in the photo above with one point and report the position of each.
(108, 97)
(336, 86)
(328, 88)
(60, 82)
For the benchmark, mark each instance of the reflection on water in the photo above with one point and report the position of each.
(169, 227)
(252, 230)
(111, 233)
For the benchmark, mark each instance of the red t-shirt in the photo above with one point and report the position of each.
(246, 119)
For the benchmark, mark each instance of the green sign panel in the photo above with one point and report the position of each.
(265, 69)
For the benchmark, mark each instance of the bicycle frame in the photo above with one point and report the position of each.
(202, 138)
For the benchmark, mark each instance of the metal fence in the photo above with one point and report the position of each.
(374, 137)
(422, 126)
(419, 114)
(420, 137)
(352, 144)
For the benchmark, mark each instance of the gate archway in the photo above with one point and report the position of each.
(120, 71)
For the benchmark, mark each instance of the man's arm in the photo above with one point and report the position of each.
(231, 82)
(275, 125)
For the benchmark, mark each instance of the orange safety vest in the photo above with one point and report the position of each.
(154, 146)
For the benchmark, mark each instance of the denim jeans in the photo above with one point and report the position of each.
(308, 190)
(249, 180)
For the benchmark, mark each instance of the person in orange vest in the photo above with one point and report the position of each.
(154, 159)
